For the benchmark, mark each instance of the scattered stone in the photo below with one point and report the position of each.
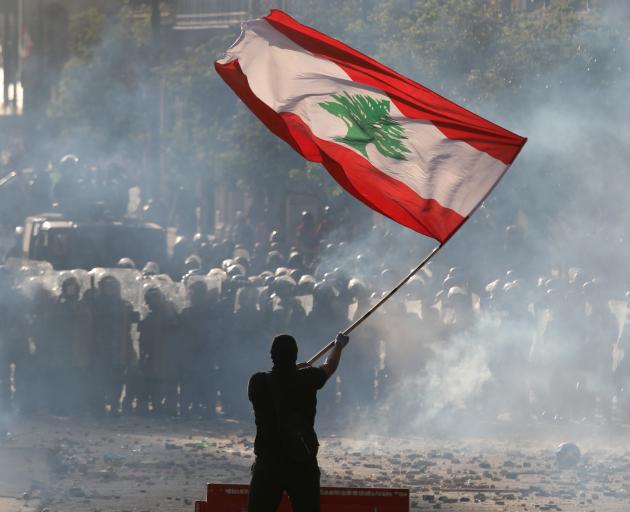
(76, 492)
(479, 497)
(568, 455)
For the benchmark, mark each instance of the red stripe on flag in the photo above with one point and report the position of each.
(354, 173)
(412, 99)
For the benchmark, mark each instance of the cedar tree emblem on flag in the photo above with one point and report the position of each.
(368, 122)
(399, 147)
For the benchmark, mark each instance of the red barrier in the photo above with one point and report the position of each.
(233, 498)
(201, 506)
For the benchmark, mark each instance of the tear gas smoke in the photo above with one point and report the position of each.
(452, 346)
(565, 198)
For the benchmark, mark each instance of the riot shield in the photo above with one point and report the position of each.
(30, 286)
(246, 294)
(214, 282)
(174, 292)
(130, 283)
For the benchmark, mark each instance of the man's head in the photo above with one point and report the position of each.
(153, 298)
(70, 288)
(284, 351)
(197, 293)
(109, 286)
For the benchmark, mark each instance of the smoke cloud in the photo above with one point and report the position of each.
(567, 196)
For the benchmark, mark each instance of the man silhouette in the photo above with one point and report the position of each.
(285, 402)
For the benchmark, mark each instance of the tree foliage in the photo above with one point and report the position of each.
(491, 59)
(100, 102)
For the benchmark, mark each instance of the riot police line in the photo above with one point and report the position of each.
(126, 341)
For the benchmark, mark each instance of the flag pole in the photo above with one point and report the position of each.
(382, 301)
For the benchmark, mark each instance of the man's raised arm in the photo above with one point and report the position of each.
(332, 361)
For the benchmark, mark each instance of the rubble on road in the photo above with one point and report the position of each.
(136, 464)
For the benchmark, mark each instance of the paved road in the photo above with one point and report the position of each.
(132, 464)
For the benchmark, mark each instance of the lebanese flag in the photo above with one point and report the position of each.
(402, 149)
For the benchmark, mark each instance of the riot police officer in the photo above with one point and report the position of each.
(196, 341)
(158, 353)
(67, 348)
(112, 351)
